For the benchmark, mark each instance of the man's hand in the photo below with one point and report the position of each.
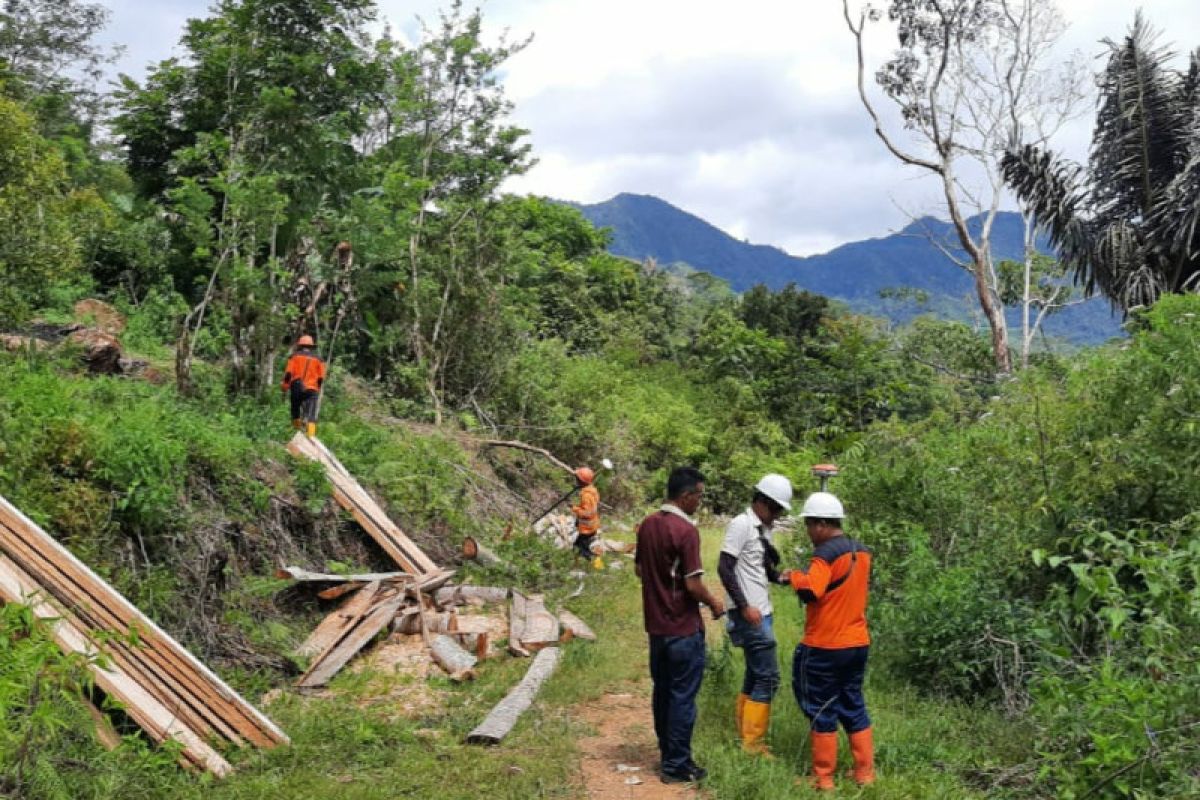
(752, 615)
(718, 608)
(785, 577)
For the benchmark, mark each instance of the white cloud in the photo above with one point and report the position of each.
(745, 114)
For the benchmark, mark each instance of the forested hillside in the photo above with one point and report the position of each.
(897, 276)
(1035, 606)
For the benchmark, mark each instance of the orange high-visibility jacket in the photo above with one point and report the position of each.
(835, 593)
(306, 368)
(587, 513)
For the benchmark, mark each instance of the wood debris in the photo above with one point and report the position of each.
(506, 713)
(162, 686)
(577, 627)
(346, 631)
(531, 626)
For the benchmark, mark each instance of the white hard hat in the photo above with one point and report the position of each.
(778, 488)
(823, 505)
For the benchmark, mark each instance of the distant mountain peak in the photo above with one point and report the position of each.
(645, 226)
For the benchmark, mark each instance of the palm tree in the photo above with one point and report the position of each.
(1126, 225)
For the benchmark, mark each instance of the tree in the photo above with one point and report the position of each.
(48, 58)
(968, 76)
(249, 144)
(39, 245)
(430, 226)
(1126, 226)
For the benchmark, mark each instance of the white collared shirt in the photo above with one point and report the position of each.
(742, 541)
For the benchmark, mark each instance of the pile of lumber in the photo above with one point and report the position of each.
(355, 499)
(160, 685)
(455, 642)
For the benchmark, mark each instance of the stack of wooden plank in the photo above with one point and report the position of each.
(355, 499)
(346, 631)
(161, 686)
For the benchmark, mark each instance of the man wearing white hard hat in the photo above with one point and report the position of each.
(748, 565)
(831, 660)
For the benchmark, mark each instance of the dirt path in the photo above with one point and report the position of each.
(619, 762)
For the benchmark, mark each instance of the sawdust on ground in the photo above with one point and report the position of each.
(620, 761)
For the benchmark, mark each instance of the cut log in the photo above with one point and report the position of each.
(304, 576)
(504, 716)
(472, 550)
(457, 662)
(578, 628)
(464, 595)
(335, 626)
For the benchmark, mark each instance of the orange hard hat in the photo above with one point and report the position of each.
(305, 341)
(585, 475)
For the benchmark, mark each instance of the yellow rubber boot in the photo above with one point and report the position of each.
(756, 718)
(312, 430)
(824, 759)
(862, 745)
(597, 563)
(740, 710)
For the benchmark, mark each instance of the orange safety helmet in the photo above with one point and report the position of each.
(585, 475)
(305, 341)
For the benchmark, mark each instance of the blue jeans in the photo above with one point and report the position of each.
(758, 645)
(828, 687)
(676, 667)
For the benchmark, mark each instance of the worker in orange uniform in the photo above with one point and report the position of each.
(831, 660)
(587, 515)
(303, 378)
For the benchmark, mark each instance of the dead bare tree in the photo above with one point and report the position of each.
(969, 77)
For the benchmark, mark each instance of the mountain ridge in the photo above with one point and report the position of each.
(646, 226)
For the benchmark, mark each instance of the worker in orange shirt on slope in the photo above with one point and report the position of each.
(587, 516)
(303, 377)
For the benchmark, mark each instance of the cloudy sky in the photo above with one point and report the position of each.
(745, 114)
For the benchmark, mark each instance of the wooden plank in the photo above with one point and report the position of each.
(372, 623)
(260, 729)
(352, 497)
(304, 576)
(541, 627)
(578, 628)
(516, 624)
(506, 713)
(185, 696)
(18, 587)
(331, 629)
(334, 592)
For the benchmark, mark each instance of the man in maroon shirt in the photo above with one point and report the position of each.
(668, 563)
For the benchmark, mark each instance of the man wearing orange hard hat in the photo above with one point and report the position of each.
(303, 377)
(587, 515)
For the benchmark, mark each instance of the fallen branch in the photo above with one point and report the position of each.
(530, 448)
(506, 713)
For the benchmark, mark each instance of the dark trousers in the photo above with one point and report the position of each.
(304, 402)
(676, 667)
(583, 544)
(828, 687)
(758, 645)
